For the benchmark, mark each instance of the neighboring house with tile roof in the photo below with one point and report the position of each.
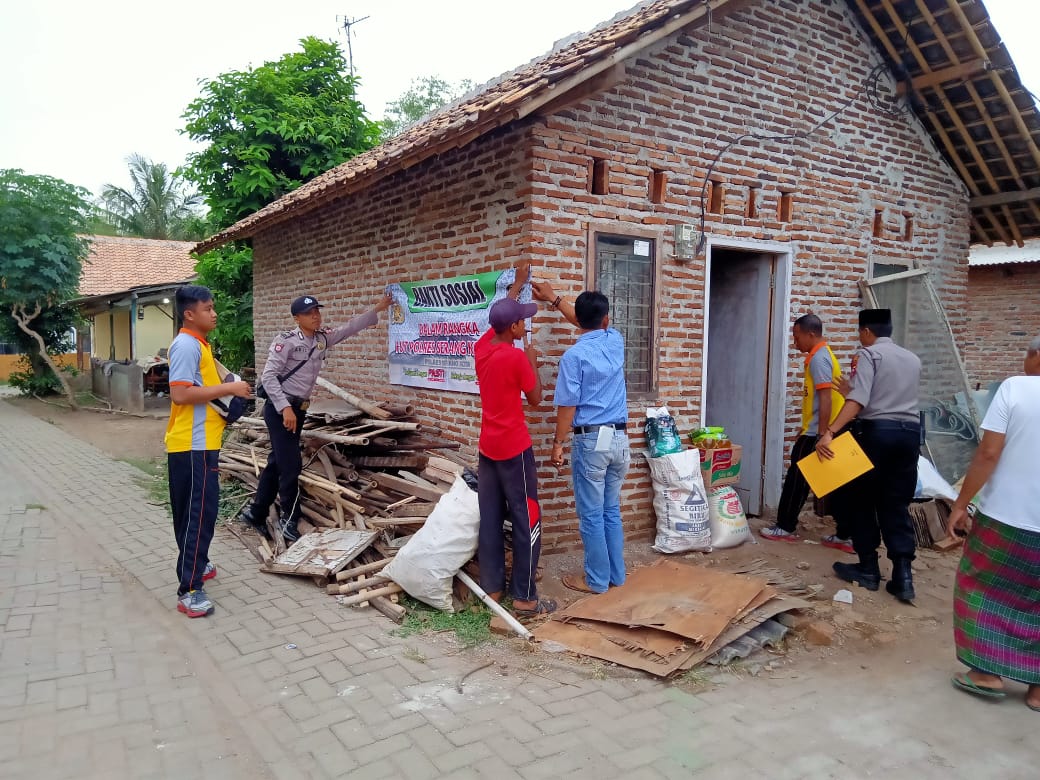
(717, 168)
(126, 294)
(1003, 310)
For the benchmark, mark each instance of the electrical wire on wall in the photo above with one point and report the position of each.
(884, 105)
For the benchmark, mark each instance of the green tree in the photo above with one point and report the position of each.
(265, 132)
(425, 95)
(156, 205)
(42, 248)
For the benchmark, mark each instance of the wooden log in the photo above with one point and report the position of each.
(393, 611)
(356, 441)
(405, 487)
(365, 568)
(400, 411)
(385, 590)
(354, 400)
(330, 472)
(393, 522)
(316, 517)
(392, 461)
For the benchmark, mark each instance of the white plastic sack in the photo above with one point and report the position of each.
(428, 562)
(680, 502)
(930, 483)
(729, 526)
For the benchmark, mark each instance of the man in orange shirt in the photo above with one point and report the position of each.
(193, 438)
(821, 403)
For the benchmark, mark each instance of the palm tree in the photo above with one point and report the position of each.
(157, 205)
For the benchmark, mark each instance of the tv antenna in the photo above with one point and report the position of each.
(347, 24)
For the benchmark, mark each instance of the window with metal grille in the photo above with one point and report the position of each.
(625, 274)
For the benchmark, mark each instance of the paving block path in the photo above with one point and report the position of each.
(101, 677)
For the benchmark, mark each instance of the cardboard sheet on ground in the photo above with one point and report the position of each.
(322, 553)
(655, 651)
(691, 601)
(827, 475)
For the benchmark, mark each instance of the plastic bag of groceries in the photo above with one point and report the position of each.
(662, 436)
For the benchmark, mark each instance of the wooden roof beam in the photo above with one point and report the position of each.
(1004, 198)
(959, 72)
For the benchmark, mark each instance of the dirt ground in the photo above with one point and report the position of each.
(872, 622)
(121, 436)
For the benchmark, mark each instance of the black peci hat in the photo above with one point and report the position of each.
(868, 317)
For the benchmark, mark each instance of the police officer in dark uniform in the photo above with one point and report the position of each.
(882, 407)
(293, 363)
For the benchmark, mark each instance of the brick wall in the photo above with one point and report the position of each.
(1003, 316)
(525, 191)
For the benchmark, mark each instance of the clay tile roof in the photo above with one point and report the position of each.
(512, 96)
(946, 55)
(118, 264)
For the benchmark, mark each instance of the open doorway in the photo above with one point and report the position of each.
(744, 382)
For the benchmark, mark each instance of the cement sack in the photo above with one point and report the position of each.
(427, 564)
(680, 502)
(729, 526)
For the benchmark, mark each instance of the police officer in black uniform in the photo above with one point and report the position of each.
(882, 407)
(293, 363)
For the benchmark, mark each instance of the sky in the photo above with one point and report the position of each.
(86, 84)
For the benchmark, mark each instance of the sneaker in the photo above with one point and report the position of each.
(778, 534)
(195, 603)
(248, 517)
(209, 572)
(290, 532)
(836, 542)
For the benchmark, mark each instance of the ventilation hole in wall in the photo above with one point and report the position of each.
(751, 207)
(785, 210)
(600, 177)
(658, 183)
(879, 223)
(717, 197)
(908, 227)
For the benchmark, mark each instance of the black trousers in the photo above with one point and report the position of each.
(796, 490)
(281, 475)
(876, 503)
(509, 487)
(194, 492)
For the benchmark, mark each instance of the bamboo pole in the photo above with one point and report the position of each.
(365, 568)
(361, 598)
(494, 606)
(347, 588)
(350, 398)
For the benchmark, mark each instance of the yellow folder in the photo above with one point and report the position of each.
(825, 475)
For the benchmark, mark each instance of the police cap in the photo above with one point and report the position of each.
(303, 304)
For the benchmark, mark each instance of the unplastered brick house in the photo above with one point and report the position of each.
(716, 168)
(1003, 312)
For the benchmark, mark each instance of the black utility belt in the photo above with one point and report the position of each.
(300, 403)
(887, 425)
(580, 429)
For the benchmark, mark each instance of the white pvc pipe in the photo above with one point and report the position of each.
(494, 606)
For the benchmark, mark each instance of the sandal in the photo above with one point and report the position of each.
(964, 683)
(541, 607)
(576, 582)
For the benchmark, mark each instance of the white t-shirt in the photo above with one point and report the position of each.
(1012, 494)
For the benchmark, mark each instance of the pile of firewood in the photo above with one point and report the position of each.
(369, 482)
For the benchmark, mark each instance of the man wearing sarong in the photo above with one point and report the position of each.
(996, 600)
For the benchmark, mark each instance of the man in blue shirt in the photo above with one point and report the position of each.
(591, 400)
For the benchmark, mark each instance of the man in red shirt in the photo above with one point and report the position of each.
(507, 479)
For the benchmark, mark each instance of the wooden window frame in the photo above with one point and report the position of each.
(657, 238)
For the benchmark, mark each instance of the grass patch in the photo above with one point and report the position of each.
(471, 626)
(41, 507)
(233, 494)
(154, 479)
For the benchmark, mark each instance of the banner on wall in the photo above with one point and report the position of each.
(434, 326)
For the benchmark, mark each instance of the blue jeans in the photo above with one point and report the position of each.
(597, 497)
